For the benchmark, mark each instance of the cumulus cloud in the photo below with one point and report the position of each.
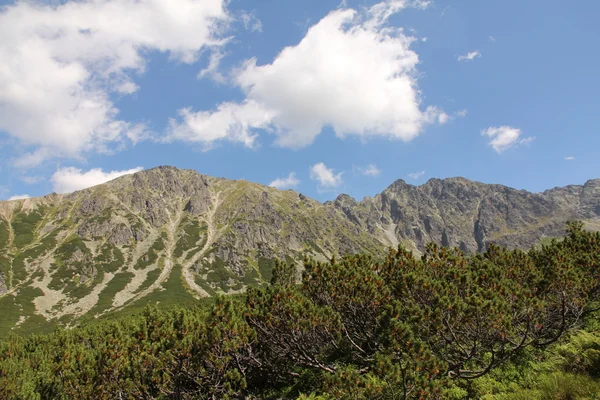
(70, 179)
(569, 158)
(351, 71)
(19, 197)
(470, 56)
(326, 178)
(231, 121)
(416, 175)
(505, 137)
(286, 183)
(61, 62)
(369, 170)
(462, 113)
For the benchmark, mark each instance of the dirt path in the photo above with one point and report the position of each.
(211, 235)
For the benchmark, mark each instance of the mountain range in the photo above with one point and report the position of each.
(166, 235)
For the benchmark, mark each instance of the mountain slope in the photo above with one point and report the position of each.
(166, 235)
(470, 215)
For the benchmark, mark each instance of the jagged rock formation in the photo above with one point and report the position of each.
(470, 215)
(117, 244)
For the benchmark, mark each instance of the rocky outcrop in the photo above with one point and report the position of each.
(223, 234)
(471, 215)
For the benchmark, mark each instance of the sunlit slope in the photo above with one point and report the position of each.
(169, 235)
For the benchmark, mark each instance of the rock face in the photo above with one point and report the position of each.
(103, 248)
(470, 215)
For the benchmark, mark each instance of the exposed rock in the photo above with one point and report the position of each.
(229, 231)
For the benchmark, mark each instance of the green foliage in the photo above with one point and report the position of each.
(15, 306)
(152, 254)
(220, 278)
(4, 235)
(110, 259)
(192, 233)
(265, 266)
(24, 226)
(498, 325)
(107, 295)
(5, 270)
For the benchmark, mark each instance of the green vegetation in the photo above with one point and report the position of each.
(17, 305)
(72, 261)
(192, 233)
(172, 293)
(5, 267)
(24, 226)
(4, 234)
(19, 268)
(107, 295)
(152, 254)
(220, 279)
(498, 325)
(110, 259)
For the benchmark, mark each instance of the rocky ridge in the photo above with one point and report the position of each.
(167, 230)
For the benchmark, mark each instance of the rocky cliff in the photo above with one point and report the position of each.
(164, 233)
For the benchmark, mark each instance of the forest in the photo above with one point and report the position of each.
(502, 324)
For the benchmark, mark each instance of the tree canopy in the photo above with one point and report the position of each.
(354, 327)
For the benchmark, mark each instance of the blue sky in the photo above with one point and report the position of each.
(346, 97)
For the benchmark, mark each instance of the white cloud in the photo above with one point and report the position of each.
(251, 21)
(212, 69)
(443, 118)
(351, 72)
(569, 158)
(325, 176)
(470, 56)
(32, 180)
(231, 121)
(505, 137)
(19, 197)
(70, 179)
(416, 175)
(462, 113)
(286, 183)
(527, 140)
(369, 170)
(492, 39)
(61, 63)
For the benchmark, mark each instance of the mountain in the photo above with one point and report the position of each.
(166, 235)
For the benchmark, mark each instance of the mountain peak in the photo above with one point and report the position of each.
(144, 235)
